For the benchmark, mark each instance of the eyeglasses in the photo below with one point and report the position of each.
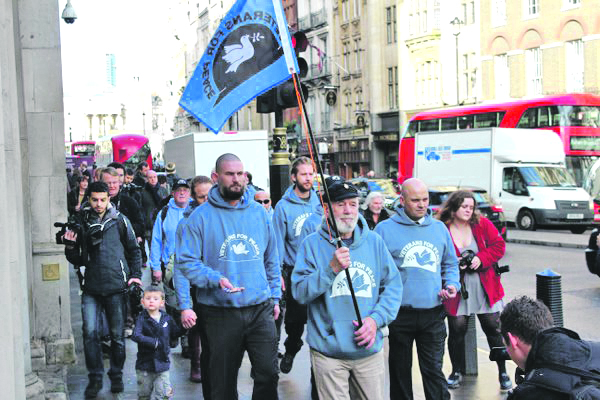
(265, 201)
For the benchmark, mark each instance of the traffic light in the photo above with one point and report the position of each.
(284, 95)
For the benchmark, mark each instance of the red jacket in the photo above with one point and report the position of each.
(491, 249)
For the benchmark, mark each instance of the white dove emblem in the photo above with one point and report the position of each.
(239, 248)
(238, 53)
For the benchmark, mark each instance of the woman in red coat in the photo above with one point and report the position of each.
(482, 291)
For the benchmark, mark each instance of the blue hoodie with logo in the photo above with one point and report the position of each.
(236, 242)
(375, 280)
(290, 214)
(163, 250)
(424, 254)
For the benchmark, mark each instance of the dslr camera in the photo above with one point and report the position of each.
(72, 224)
(466, 258)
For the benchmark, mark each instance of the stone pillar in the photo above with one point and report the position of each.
(43, 172)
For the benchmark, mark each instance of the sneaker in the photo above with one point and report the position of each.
(454, 380)
(117, 386)
(92, 389)
(505, 383)
(286, 363)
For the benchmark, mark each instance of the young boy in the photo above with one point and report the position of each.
(152, 332)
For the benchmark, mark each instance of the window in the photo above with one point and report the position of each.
(357, 8)
(532, 8)
(393, 87)
(424, 21)
(498, 13)
(346, 48)
(574, 65)
(357, 55)
(345, 10)
(436, 14)
(390, 13)
(533, 65)
(111, 70)
(348, 106)
(469, 79)
(359, 101)
(502, 76)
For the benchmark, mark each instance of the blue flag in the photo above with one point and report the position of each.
(244, 59)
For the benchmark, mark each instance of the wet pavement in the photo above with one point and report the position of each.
(295, 385)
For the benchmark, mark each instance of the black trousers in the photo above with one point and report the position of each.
(425, 327)
(226, 334)
(295, 316)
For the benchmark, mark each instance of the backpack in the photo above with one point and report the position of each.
(577, 383)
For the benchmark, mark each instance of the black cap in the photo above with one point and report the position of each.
(339, 189)
(181, 183)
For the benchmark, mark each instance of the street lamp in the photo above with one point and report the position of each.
(456, 23)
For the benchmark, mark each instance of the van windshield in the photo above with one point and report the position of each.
(547, 176)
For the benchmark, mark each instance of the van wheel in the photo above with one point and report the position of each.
(578, 229)
(526, 221)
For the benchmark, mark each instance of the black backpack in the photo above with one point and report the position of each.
(576, 383)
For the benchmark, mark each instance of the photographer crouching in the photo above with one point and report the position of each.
(107, 247)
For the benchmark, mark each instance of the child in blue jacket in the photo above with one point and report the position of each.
(153, 330)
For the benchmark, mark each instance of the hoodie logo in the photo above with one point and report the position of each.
(363, 280)
(239, 247)
(299, 223)
(420, 254)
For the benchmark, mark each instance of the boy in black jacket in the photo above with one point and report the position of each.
(107, 247)
(153, 330)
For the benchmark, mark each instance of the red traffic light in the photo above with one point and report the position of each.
(299, 41)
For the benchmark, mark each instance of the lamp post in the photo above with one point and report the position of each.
(456, 23)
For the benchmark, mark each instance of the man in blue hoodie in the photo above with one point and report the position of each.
(227, 251)
(339, 348)
(423, 252)
(297, 204)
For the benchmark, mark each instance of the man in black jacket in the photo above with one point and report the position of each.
(125, 204)
(557, 363)
(107, 247)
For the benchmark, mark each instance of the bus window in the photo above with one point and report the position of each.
(543, 117)
(412, 129)
(528, 119)
(486, 120)
(429, 125)
(448, 124)
(465, 122)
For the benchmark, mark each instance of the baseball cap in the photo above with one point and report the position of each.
(180, 183)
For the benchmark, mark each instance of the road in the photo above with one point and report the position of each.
(581, 301)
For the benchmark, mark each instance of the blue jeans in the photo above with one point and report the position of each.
(114, 307)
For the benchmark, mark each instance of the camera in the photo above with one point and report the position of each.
(499, 354)
(68, 13)
(500, 269)
(466, 258)
(72, 224)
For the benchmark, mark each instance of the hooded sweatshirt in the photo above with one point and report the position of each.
(290, 213)
(237, 242)
(162, 251)
(375, 280)
(424, 254)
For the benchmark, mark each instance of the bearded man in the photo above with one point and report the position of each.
(227, 251)
(347, 358)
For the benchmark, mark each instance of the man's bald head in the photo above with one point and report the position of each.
(415, 198)
(225, 158)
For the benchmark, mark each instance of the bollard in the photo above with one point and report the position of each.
(549, 291)
(471, 347)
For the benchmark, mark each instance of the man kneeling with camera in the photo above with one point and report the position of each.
(557, 364)
(107, 247)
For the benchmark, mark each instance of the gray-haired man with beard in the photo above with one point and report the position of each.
(227, 251)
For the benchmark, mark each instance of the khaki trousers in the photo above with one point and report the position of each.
(349, 379)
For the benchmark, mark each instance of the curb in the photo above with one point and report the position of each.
(544, 243)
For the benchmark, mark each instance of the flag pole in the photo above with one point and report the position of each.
(337, 239)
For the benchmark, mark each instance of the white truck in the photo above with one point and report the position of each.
(196, 153)
(522, 169)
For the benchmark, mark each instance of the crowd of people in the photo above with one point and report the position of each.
(228, 269)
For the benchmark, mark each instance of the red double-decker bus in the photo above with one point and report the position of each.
(574, 117)
(85, 148)
(128, 149)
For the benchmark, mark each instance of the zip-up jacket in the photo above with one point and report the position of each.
(163, 235)
(115, 260)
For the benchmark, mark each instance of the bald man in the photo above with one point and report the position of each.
(424, 253)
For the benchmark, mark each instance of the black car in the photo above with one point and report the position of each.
(439, 194)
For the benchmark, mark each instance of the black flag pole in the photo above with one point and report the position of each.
(337, 239)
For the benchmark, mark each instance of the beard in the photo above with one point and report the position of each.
(343, 227)
(302, 189)
(232, 193)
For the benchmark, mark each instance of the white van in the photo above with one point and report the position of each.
(521, 169)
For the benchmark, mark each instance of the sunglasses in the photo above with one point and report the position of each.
(266, 201)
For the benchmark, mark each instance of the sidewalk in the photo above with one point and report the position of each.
(295, 385)
(555, 238)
